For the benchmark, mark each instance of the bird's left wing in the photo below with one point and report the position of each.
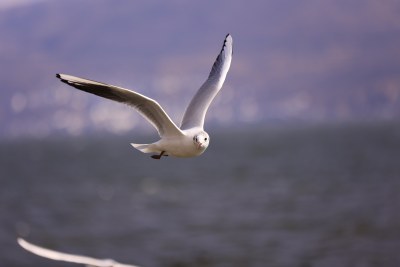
(198, 106)
(147, 107)
(60, 256)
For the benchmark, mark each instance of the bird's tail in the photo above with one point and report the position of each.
(145, 148)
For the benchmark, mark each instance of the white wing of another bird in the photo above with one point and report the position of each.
(60, 256)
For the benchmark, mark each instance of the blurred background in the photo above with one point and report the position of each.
(303, 167)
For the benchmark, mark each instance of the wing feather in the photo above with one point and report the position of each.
(198, 106)
(147, 107)
(60, 256)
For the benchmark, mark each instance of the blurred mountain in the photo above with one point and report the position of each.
(293, 61)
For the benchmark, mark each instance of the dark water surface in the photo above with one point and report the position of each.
(300, 196)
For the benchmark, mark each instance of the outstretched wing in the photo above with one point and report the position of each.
(147, 107)
(196, 111)
(60, 256)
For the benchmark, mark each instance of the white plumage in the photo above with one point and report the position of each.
(60, 256)
(190, 139)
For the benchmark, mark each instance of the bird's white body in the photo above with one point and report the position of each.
(188, 140)
(178, 146)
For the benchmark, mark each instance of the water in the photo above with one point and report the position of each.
(299, 196)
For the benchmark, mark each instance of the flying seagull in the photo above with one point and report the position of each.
(188, 140)
(60, 256)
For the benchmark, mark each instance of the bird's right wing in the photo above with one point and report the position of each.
(147, 107)
(60, 256)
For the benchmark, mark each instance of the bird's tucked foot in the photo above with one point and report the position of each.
(158, 156)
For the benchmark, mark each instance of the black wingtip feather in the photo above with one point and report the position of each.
(225, 40)
(58, 75)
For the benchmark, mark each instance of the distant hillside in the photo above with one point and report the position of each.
(308, 60)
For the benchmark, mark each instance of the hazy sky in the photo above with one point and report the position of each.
(293, 61)
(4, 4)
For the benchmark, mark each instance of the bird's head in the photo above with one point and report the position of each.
(201, 140)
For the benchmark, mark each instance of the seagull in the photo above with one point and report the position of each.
(60, 256)
(188, 140)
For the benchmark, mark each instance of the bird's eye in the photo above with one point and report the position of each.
(205, 139)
